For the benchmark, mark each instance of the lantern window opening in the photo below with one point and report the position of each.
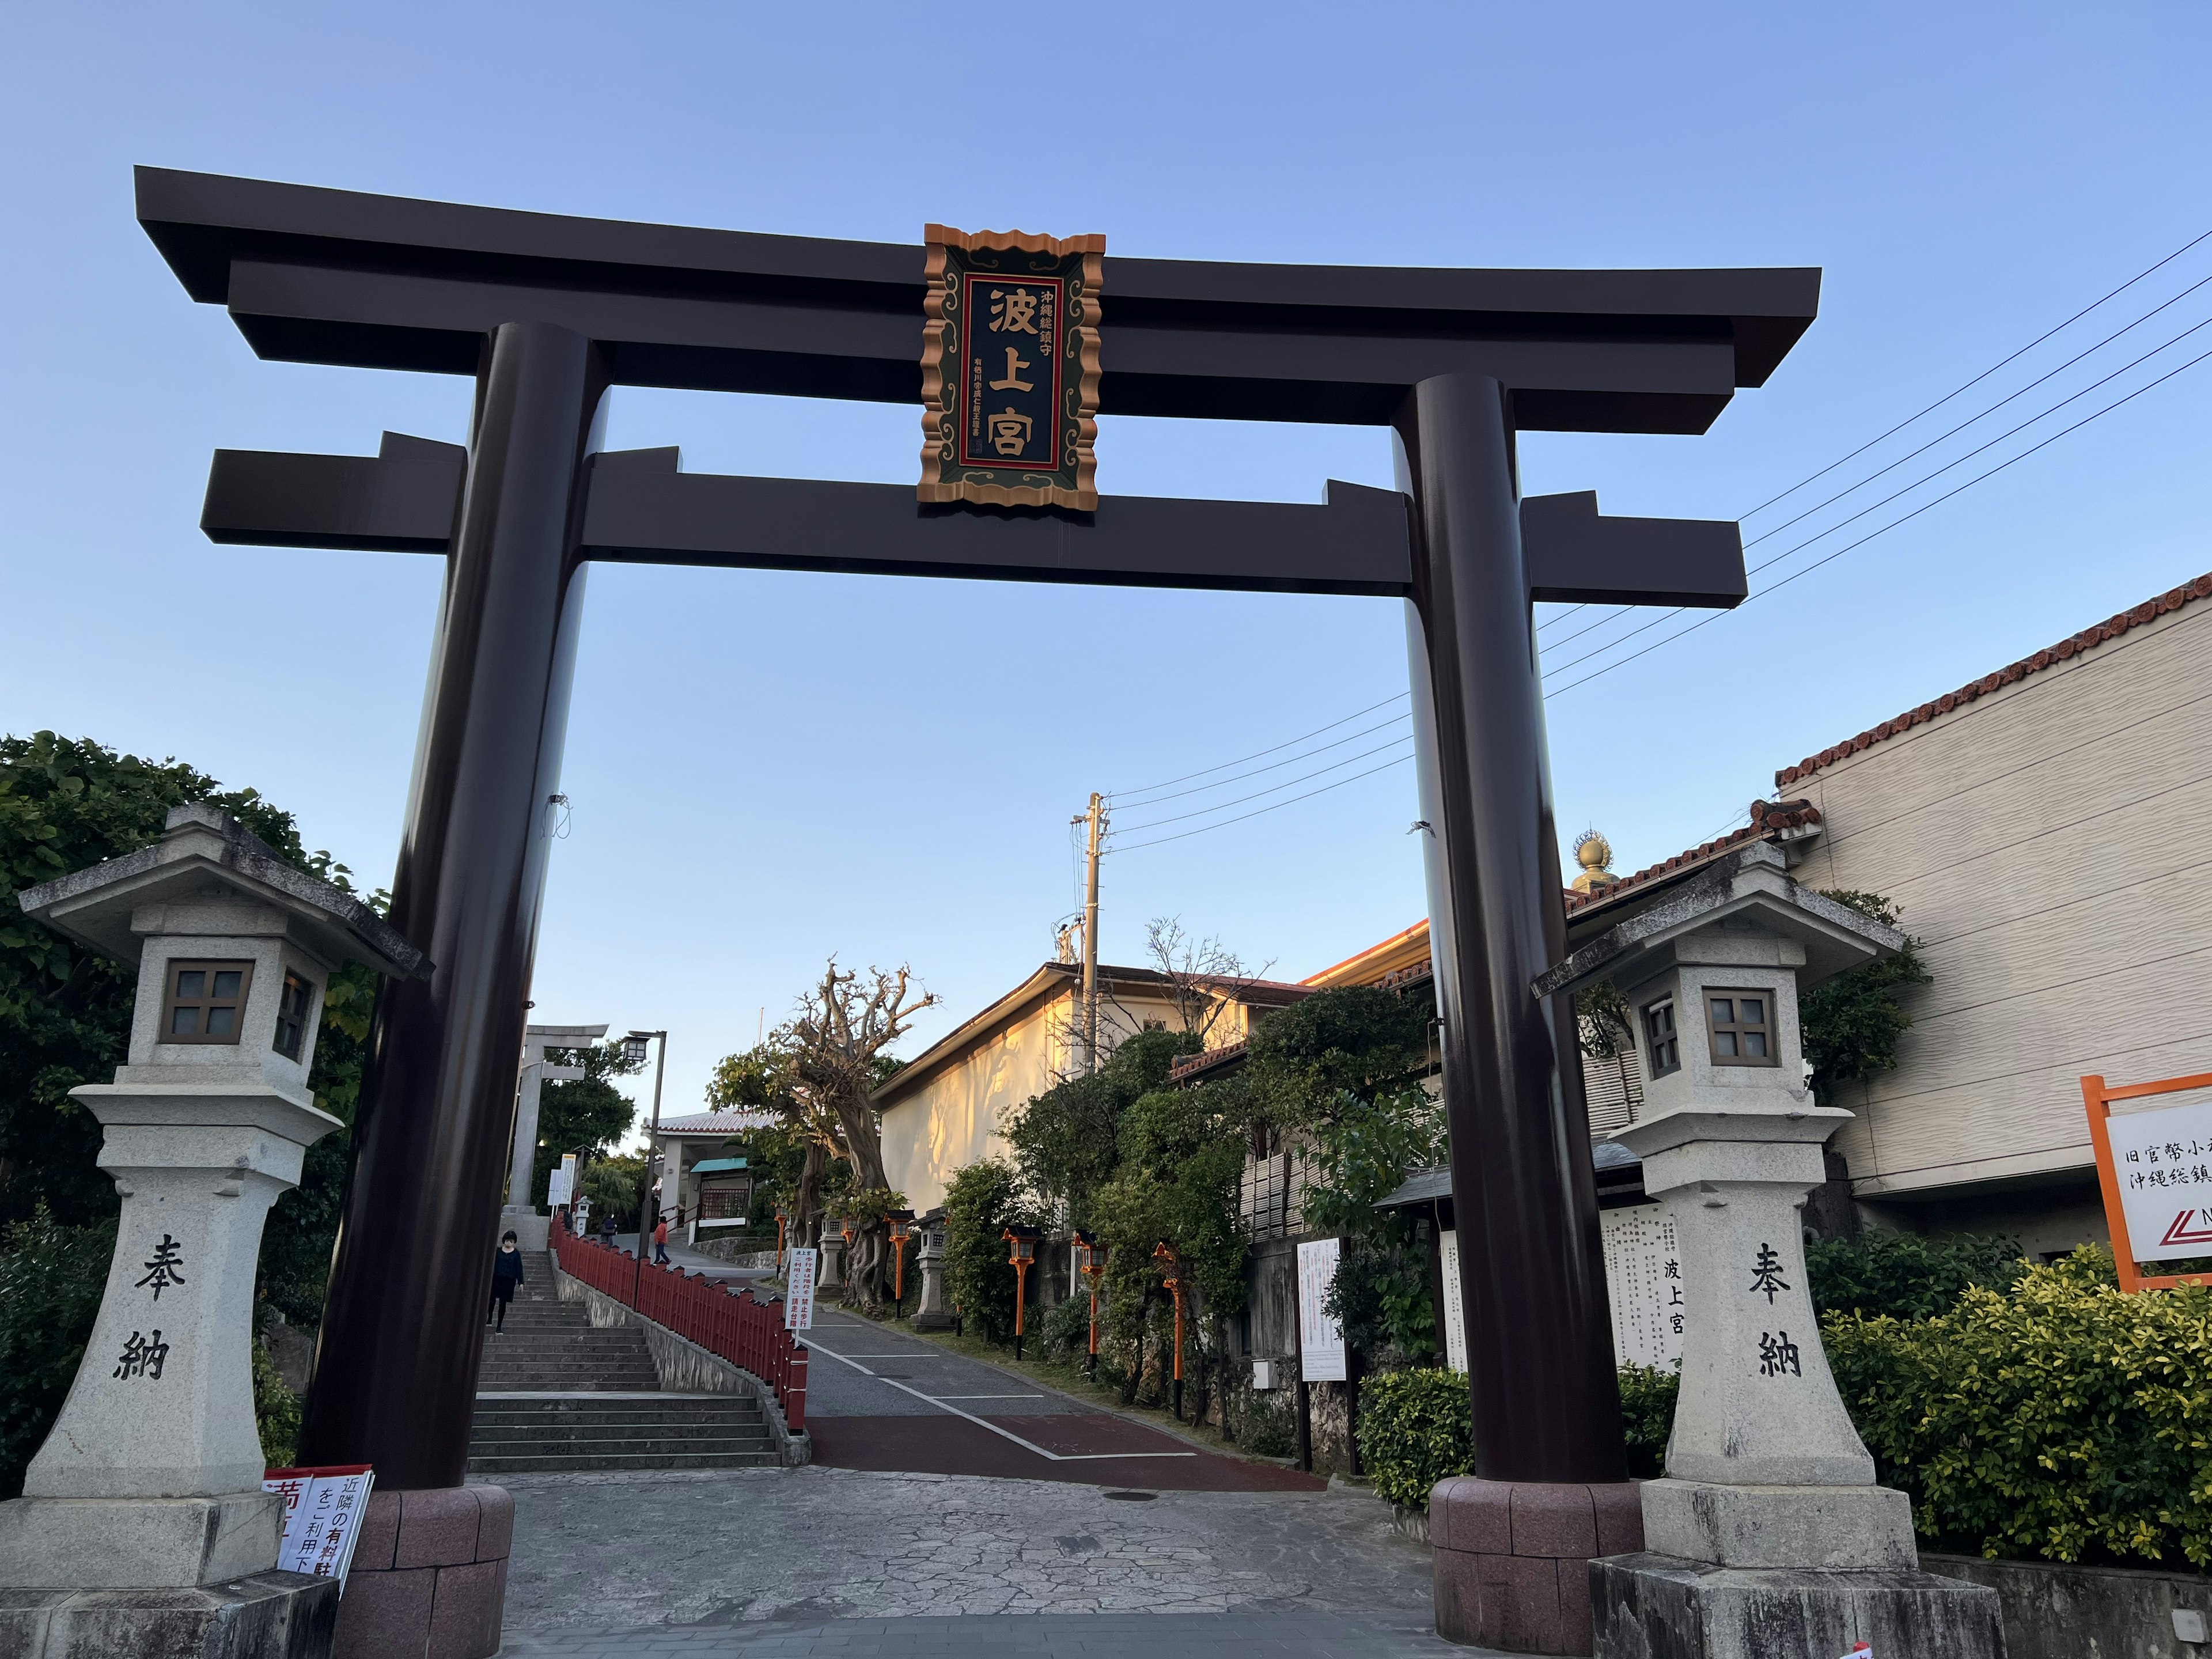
(293, 1005)
(1659, 1039)
(1741, 1026)
(206, 1002)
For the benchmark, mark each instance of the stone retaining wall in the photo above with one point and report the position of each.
(2055, 1611)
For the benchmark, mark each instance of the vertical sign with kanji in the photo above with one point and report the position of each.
(323, 1509)
(1644, 1283)
(1010, 368)
(1320, 1338)
(799, 1291)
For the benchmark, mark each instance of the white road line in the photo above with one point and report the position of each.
(986, 1396)
(986, 1423)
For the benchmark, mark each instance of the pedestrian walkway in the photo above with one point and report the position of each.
(1157, 1635)
(786, 1564)
(880, 1398)
(554, 1393)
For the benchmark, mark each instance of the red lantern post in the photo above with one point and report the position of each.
(900, 1223)
(1172, 1279)
(1025, 1242)
(1091, 1257)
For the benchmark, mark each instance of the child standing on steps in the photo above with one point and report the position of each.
(506, 1276)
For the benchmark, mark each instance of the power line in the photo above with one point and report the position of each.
(1980, 448)
(1903, 518)
(1225, 765)
(1223, 807)
(1185, 834)
(1993, 408)
(1978, 379)
(1223, 783)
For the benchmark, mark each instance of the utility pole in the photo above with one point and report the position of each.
(1097, 821)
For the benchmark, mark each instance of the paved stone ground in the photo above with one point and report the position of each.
(796, 1562)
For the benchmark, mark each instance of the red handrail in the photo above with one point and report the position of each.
(730, 1323)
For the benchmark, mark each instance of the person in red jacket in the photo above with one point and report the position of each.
(660, 1243)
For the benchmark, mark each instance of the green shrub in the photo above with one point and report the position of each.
(1909, 1275)
(1414, 1429)
(2061, 1420)
(51, 1281)
(1267, 1429)
(276, 1411)
(980, 1203)
(1647, 1416)
(1064, 1330)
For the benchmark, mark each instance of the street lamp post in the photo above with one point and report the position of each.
(901, 1222)
(1025, 1242)
(1091, 1259)
(634, 1051)
(1173, 1279)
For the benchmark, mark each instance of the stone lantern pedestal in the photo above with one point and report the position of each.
(932, 1312)
(150, 1478)
(1768, 1538)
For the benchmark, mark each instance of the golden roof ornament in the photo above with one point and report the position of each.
(1595, 853)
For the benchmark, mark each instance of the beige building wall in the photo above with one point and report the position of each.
(953, 1118)
(2042, 840)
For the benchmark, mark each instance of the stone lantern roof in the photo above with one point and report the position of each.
(1750, 886)
(203, 848)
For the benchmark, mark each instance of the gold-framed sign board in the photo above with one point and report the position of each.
(1010, 368)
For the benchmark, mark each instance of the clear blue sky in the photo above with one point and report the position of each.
(769, 767)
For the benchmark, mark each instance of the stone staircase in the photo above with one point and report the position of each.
(553, 1393)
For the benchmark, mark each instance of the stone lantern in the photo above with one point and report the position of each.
(1768, 1536)
(151, 1477)
(930, 1313)
(835, 1237)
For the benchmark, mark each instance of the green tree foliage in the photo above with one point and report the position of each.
(1345, 1068)
(760, 1079)
(980, 1202)
(1909, 1275)
(1067, 1140)
(613, 1185)
(51, 1280)
(1648, 1393)
(586, 1114)
(275, 1413)
(1853, 1024)
(2061, 1420)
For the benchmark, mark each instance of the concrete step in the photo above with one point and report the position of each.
(536, 1464)
(626, 1445)
(646, 1404)
(552, 1379)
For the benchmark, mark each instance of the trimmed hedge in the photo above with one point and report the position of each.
(1414, 1429)
(2061, 1420)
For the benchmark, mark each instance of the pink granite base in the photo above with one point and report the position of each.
(430, 1576)
(1512, 1559)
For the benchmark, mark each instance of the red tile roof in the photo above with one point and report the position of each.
(2173, 600)
(1768, 817)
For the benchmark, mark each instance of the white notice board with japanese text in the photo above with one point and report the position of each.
(1455, 1333)
(799, 1291)
(1643, 1281)
(2162, 1161)
(322, 1511)
(1321, 1338)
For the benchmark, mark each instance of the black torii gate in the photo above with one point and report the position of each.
(548, 313)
